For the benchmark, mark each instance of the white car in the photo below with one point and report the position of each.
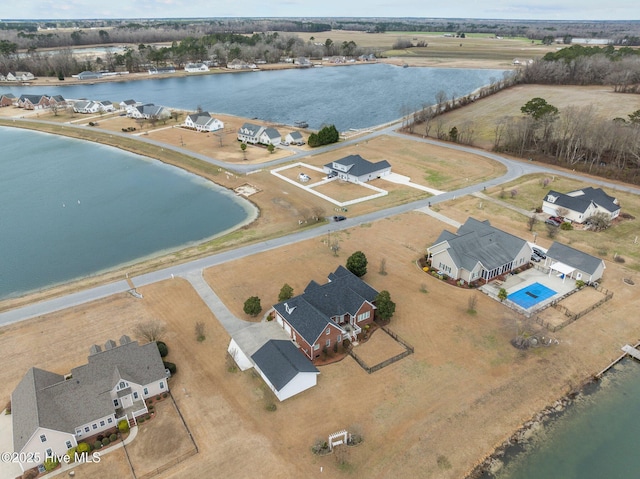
(304, 177)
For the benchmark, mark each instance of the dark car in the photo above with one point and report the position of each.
(339, 218)
(539, 253)
(552, 221)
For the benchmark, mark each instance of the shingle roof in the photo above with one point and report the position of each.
(311, 312)
(579, 200)
(63, 405)
(574, 258)
(295, 135)
(272, 133)
(250, 129)
(281, 361)
(358, 166)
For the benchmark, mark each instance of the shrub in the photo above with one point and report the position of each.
(580, 284)
(50, 464)
(158, 396)
(271, 406)
(425, 269)
(164, 395)
(97, 445)
(113, 437)
(346, 343)
(252, 306)
(147, 417)
(84, 447)
(172, 369)
(162, 347)
(71, 454)
(106, 441)
(566, 226)
(618, 259)
(123, 427)
(141, 420)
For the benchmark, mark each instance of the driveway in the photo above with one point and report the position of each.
(7, 471)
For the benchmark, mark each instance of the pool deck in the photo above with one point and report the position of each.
(516, 282)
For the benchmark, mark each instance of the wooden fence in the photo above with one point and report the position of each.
(571, 317)
(372, 369)
(169, 464)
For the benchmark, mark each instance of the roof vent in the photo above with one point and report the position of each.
(109, 345)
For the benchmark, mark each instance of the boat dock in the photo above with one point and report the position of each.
(631, 351)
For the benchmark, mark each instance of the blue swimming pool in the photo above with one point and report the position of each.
(531, 295)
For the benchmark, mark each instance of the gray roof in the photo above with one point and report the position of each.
(579, 200)
(574, 258)
(281, 361)
(32, 98)
(358, 166)
(8, 95)
(250, 129)
(45, 399)
(272, 133)
(200, 118)
(311, 312)
(295, 135)
(479, 242)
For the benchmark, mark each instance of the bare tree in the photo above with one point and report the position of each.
(150, 331)
(199, 329)
(531, 222)
(383, 267)
(335, 247)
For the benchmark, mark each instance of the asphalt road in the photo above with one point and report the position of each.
(515, 169)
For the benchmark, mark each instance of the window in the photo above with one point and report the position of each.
(328, 331)
(101, 423)
(79, 432)
(43, 438)
(146, 391)
(109, 420)
(116, 403)
(135, 395)
(48, 453)
(316, 347)
(161, 384)
(328, 343)
(69, 445)
(339, 338)
(95, 426)
(86, 429)
(363, 316)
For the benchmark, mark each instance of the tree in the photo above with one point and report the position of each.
(502, 294)
(162, 348)
(270, 148)
(357, 264)
(538, 107)
(531, 222)
(453, 134)
(286, 292)
(384, 306)
(634, 118)
(599, 221)
(150, 330)
(252, 306)
(199, 329)
(243, 147)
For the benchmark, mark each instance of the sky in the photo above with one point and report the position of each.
(494, 9)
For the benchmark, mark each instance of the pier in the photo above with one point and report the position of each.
(631, 351)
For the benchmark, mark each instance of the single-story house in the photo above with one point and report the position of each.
(270, 136)
(356, 169)
(569, 262)
(52, 413)
(478, 251)
(196, 67)
(7, 99)
(284, 369)
(580, 205)
(294, 137)
(325, 315)
(161, 70)
(86, 75)
(250, 133)
(238, 64)
(202, 121)
(126, 104)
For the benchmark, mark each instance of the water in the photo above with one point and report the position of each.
(71, 208)
(357, 96)
(595, 438)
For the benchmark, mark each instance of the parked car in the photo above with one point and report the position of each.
(538, 252)
(284, 143)
(559, 219)
(535, 257)
(332, 174)
(553, 221)
(304, 177)
(339, 218)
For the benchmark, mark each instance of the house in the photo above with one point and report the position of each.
(294, 137)
(7, 99)
(126, 104)
(57, 100)
(284, 369)
(86, 75)
(575, 264)
(238, 64)
(250, 133)
(148, 111)
(580, 205)
(33, 102)
(196, 67)
(20, 76)
(478, 251)
(85, 106)
(303, 62)
(325, 315)
(106, 106)
(356, 169)
(161, 70)
(202, 121)
(270, 136)
(52, 413)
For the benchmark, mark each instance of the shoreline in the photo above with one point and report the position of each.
(492, 462)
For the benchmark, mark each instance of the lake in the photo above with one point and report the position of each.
(354, 96)
(72, 208)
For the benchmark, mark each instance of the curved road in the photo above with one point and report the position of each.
(515, 169)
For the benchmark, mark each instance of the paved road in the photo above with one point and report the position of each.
(515, 169)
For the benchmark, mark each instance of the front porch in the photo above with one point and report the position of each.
(138, 408)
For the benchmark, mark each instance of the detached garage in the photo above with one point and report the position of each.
(284, 368)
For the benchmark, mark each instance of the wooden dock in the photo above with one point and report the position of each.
(631, 351)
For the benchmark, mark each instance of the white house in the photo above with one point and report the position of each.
(250, 133)
(284, 369)
(293, 138)
(203, 121)
(571, 263)
(356, 169)
(148, 111)
(196, 67)
(270, 136)
(52, 413)
(580, 205)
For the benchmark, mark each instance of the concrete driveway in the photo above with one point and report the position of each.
(7, 470)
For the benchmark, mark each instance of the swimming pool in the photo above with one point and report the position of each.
(531, 295)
